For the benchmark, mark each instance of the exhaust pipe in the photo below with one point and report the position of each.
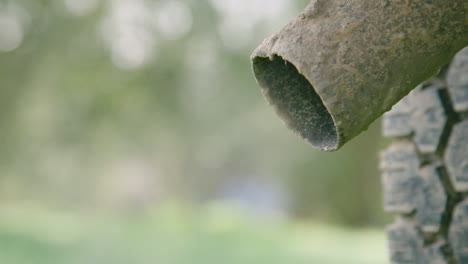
(341, 64)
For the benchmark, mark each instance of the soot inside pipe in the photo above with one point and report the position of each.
(296, 101)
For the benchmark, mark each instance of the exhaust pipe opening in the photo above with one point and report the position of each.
(296, 101)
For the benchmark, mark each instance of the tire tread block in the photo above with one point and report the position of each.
(426, 121)
(456, 156)
(406, 246)
(457, 81)
(458, 233)
(408, 188)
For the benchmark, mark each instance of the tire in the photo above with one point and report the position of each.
(425, 170)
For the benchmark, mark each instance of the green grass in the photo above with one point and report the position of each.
(177, 235)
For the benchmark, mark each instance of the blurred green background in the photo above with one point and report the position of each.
(133, 131)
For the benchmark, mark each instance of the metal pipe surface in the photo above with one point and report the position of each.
(339, 65)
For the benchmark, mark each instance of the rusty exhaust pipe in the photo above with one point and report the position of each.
(341, 64)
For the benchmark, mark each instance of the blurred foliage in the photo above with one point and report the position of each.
(128, 103)
(176, 235)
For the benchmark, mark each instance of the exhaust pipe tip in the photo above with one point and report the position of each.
(339, 65)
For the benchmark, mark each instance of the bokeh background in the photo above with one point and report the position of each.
(133, 131)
